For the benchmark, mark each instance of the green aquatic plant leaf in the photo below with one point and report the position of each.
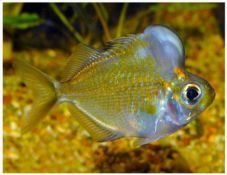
(23, 21)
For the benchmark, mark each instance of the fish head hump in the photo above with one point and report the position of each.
(166, 48)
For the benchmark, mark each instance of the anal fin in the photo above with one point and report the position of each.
(98, 131)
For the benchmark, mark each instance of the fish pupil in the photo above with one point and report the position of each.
(192, 93)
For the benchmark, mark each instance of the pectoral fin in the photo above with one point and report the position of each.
(99, 131)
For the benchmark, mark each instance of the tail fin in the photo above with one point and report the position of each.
(43, 91)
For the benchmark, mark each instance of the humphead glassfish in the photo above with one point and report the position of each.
(138, 87)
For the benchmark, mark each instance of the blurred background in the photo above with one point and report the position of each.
(43, 34)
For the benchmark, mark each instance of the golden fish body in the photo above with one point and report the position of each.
(137, 88)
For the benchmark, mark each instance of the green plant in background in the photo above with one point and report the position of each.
(22, 21)
(102, 20)
(62, 17)
(13, 18)
(121, 20)
(103, 17)
(172, 7)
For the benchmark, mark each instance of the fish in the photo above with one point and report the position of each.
(137, 87)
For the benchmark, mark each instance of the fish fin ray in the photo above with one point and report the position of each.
(43, 90)
(120, 42)
(81, 56)
(98, 132)
(120, 45)
(139, 141)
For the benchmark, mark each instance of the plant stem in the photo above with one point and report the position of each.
(104, 12)
(121, 19)
(62, 17)
(103, 22)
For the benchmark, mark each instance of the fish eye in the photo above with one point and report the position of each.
(191, 93)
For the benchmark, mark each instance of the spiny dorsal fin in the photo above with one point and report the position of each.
(119, 46)
(81, 57)
(120, 42)
(130, 47)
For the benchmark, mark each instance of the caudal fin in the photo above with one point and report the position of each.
(43, 92)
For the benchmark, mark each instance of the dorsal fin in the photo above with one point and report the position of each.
(120, 42)
(81, 56)
(119, 46)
